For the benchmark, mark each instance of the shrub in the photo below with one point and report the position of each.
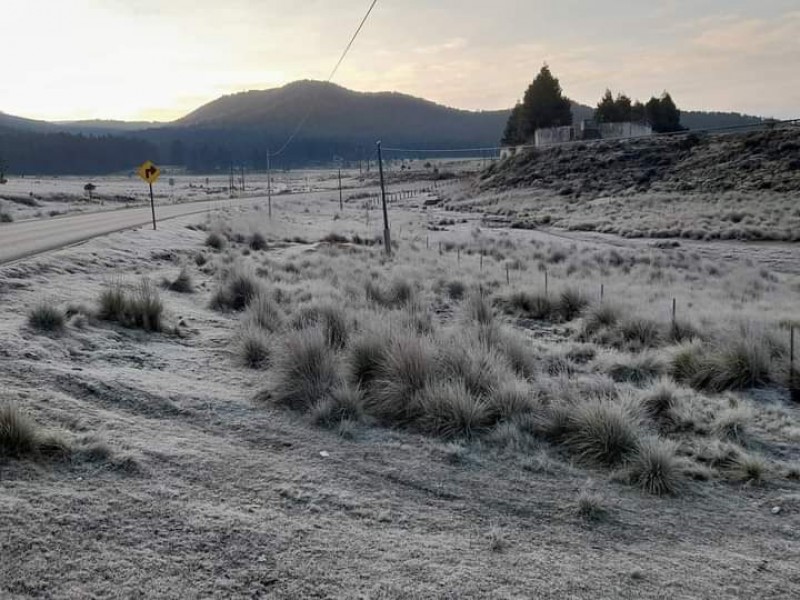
(332, 320)
(450, 410)
(18, 434)
(46, 317)
(571, 303)
(258, 242)
(216, 241)
(253, 347)
(407, 368)
(602, 432)
(655, 467)
(182, 283)
(237, 290)
(264, 312)
(307, 370)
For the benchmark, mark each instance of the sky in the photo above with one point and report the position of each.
(160, 59)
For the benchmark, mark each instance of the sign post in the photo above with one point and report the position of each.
(150, 173)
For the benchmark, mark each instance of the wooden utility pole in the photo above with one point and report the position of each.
(341, 203)
(387, 238)
(269, 186)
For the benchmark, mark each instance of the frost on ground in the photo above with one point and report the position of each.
(467, 419)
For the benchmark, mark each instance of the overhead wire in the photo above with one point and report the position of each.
(310, 109)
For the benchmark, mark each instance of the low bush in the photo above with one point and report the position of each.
(533, 306)
(257, 242)
(571, 302)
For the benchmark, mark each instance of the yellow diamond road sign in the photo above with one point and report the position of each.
(149, 172)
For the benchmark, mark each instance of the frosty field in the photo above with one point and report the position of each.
(283, 411)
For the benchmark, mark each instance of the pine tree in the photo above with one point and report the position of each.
(663, 115)
(543, 105)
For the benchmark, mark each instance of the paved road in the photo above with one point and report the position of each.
(26, 238)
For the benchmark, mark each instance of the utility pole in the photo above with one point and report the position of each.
(242, 171)
(341, 203)
(387, 238)
(269, 186)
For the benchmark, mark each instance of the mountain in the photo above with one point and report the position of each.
(239, 128)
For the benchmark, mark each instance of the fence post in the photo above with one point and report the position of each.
(546, 282)
(508, 276)
(387, 238)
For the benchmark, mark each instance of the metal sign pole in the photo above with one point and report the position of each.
(152, 206)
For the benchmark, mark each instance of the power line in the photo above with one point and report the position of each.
(330, 78)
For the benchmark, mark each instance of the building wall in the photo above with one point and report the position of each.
(624, 130)
(554, 135)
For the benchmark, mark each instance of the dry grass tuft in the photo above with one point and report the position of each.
(264, 312)
(216, 241)
(590, 506)
(655, 467)
(602, 433)
(18, 434)
(333, 320)
(344, 404)
(46, 317)
(449, 410)
(182, 283)
(307, 369)
(253, 347)
(141, 309)
(239, 287)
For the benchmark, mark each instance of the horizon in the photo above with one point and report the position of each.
(159, 64)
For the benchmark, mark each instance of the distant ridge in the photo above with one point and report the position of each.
(238, 128)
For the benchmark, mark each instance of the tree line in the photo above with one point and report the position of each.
(544, 105)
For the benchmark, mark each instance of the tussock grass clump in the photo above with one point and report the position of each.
(307, 369)
(571, 302)
(601, 316)
(602, 433)
(638, 333)
(590, 506)
(18, 434)
(333, 320)
(659, 401)
(344, 404)
(407, 368)
(239, 287)
(401, 292)
(749, 468)
(112, 302)
(638, 369)
(733, 424)
(257, 242)
(737, 361)
(47, 317)
(142, 308)
(182, 283)
(519, 356)
(264, 312)
(532, 305)
(366, 355)
(655, 467)
(253, 347)
(511, 399)
(480, 368)
(455, 289)
(449, 410)
(216, 241)
(478, 309)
